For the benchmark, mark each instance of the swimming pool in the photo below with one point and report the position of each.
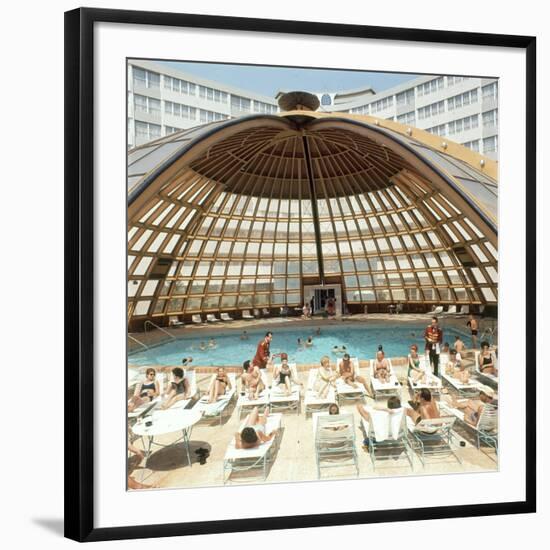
(361, 341)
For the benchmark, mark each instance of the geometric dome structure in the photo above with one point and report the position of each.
(255, 211)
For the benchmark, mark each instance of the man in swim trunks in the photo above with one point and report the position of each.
(473, 408)
(433, 337)
(263, 355)
(472, 323)
(347, 373)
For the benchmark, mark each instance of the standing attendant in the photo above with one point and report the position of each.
(433, 337)
(472, 323)
(263, 355)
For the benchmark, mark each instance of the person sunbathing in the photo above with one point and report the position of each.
(179, 388)
(456, 367)
(219, 385)
(415, 371)
(423, 407)
(145, 391)
(348, 374)
(486, 360)
(326, 377)
(282, 375)
(253, 382)
(472, 408)
(254, 432)
(381, 369)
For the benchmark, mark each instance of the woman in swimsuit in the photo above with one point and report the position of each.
(219, 385)
(486, 361)
(456, 368)
(253, 382)
(254, 432)
(381, 367)
(179, 388)
(282, 376)
(326, 377)
(145, 391)
(414, 371)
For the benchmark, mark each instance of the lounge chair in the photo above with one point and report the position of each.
(436, 311)
(226, 317)
(279, 400)
(334, 439)
(211, 318)
(312, 401)
(432, 437)
(174, 322)
(393, 387)
(451, 311)
(387, 432)
(490, 379)
(244, 404)
(193, 393)
(256, 313)
(246, 315)
(266, 312)
(197, 319)
(244, 460)
(344, 391)
(217, 409)
(468, 389)
(147, 407)
(433, 383)
(486, 430)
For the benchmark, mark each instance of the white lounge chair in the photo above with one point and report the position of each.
(433, 383)
(211, 318)
(334, 439)
(256, 313)
(279, 400)
(470, 388)
(491, 379)
(174, 322)
(197, 319)
(244, 404)
(486, 430)
(243, 460)
(344, 391)
(451, 310)
(246, 315)
(393, 387)
(193, 391)
(432, 437)
(436, 311)
(226, 317)
(217, 409)
(266, 312)
(147, 407)
(312, 401)
(388, 432)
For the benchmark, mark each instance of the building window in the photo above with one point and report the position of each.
(362, 110)
(210, 116)
(431, 110)
(473, 145)
(325, 99)
(147, 131)
(145, 79)
(430, 87)
(405, 98)
(490, 91)
(437, 130)
(490, 145)
(180, 110)
(212, 94)
(171, 130)
(382, 104)
(461, 100)
(452, 80)
(179, 86)
(463, 124)
(261, 107)
(144, 104)
(239, 103)
(490, 118)
(407, 118)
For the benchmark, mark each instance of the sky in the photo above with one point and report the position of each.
(269, 80)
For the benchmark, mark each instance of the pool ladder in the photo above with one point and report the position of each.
(138, 341)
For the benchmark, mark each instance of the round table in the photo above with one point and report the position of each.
(168, 421)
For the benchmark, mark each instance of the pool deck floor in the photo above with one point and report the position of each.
(294, 461)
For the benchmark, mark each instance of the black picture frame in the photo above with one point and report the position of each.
(79, 269)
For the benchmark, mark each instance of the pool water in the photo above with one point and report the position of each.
(361, 341)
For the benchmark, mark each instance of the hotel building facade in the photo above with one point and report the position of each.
(163, 100)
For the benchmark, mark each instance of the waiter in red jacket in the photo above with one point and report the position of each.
(433, 336)
(262, 352)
